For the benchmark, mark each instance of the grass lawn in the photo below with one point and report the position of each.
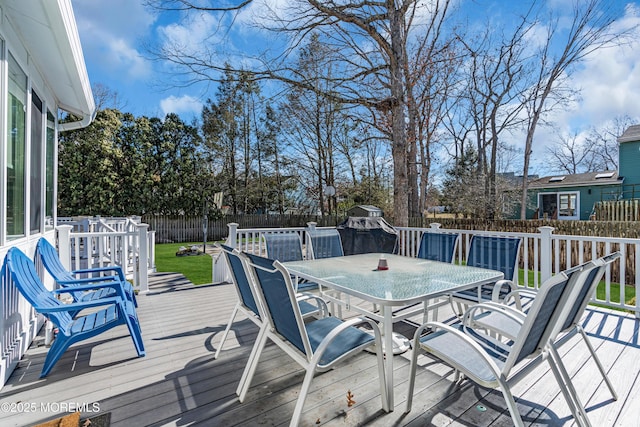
(195, 268)
(629, 291)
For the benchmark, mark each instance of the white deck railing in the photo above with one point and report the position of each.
(82, 244)
(103, 243)
(542, 254)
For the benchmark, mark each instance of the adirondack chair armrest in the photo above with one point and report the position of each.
(117, 286)
(100, 282)
(77, 306)
(116, 269)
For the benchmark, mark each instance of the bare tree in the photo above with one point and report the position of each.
(589, 29)
(572, 155)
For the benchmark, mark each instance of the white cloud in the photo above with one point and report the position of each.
(110, 32)
(182, 105)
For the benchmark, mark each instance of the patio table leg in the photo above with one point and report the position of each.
(388, 345)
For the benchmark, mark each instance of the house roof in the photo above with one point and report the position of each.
(578, 180)
(631, 134)
(49, 32)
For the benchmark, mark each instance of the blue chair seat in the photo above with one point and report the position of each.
(345, 342)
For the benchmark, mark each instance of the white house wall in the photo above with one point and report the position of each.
(42, 38)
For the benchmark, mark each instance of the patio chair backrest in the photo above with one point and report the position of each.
(274, 286)
(495, 253)
(324, 243)
(283, 246)
(587, 288)
(240, 279)
(547, 313)
(22, 272)
(48, 255)
(438, 246)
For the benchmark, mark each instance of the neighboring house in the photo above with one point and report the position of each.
(574, 196)
(43, 73)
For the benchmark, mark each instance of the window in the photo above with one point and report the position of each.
(49, 168)
(16, 127)
(568, 205)
(35, 163)
(559, 205)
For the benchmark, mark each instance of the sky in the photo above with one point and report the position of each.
(115, 33)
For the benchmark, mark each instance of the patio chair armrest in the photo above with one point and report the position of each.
(321, 304)
(493, 307)
(340, 328)
(77, 306)
(115, 269)
(497, 287)
(493, 318)
(468, 344)
(517, 293)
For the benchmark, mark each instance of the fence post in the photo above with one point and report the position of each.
(64, 245)
(143, 257)
(312, 225)
(232, 240)
(435, 225)
(546, 257)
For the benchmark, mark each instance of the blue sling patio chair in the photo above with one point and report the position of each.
(493, 253)
(492, 363)
(437, 246)
(284, 247)
(246, 301)
(323, 243)
(117, 311)
(317, 345)
(509, 326)
(47, 256)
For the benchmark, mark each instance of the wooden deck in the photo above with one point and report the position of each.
(178, 383)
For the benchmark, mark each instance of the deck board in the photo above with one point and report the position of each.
(179, 383)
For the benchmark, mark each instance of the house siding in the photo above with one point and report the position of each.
(629, 161)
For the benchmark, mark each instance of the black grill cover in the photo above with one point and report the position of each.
(363, 235)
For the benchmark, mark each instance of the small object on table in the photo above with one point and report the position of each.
(382, 263)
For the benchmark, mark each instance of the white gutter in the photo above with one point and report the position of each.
(78, 124)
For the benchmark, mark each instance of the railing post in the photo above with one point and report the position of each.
(143, 257)
(312, 225)
(232, 240)
(546, 257)
(64, 245)
(435, 225)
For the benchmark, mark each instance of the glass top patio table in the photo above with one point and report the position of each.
(407, 280)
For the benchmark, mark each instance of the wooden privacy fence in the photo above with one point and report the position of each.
(617, 210)
(189, 228)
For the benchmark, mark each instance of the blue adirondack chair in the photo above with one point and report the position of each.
(21, 271)
(48, 256)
